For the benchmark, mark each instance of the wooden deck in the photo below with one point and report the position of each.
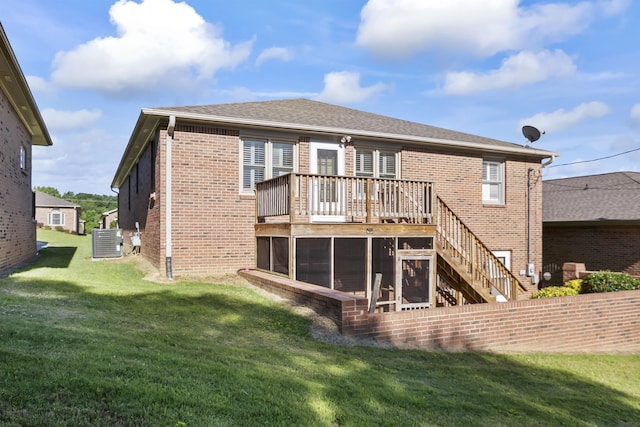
(297, 206)
(306, 198)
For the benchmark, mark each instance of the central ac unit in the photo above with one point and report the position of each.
(107, 243)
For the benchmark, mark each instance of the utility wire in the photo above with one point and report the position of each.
(594, 160)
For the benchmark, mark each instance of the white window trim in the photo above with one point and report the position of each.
(268, 154)
(502, 189)
(507, 263)
(23, 158)
(314, 146)
(58, 212)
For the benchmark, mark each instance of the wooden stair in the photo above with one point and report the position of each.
(467, 265)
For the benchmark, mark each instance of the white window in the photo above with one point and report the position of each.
(376, 163)
(264, 159)
(23, 158)
(56, 218)
(492, 182)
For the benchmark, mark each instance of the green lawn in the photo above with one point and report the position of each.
(91, 343)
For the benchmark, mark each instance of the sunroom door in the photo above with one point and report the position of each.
(414, 281)
(326, 198)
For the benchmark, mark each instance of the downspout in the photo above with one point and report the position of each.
(530, 266)
(170, 129)
(118, 205)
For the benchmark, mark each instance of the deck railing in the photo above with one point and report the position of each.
(355, 199)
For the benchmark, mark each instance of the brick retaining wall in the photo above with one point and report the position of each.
(595, 323)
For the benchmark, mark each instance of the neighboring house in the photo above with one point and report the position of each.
(331, 196)
(593, 220)
(54, 212)
(109, 217)
(21, 127)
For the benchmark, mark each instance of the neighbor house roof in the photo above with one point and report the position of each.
(304, 115)
(15, 87)
(591, 199)
(49, 201)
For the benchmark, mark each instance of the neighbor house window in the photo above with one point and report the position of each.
(376, 163)
(492, 182)
(264, 159)
(56, 218)
(23, 159)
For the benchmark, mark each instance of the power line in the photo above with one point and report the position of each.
(594, 160)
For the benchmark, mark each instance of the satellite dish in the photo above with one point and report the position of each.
(531, 133)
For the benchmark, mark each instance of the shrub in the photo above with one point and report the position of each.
(607, 281)
(554, 291)
(60, 228)
(574, 284)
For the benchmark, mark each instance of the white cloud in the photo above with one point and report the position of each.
(401, 28)
(562, 119)
(58, 120)
(274, 53)
(343, 87)
(157, 40)
(38, 84)
(521, 69)
(635, 115)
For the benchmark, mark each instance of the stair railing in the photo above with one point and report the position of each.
(481, 266)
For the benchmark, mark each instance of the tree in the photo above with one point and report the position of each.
(50, 191)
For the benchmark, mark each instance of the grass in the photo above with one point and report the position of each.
(91, 343)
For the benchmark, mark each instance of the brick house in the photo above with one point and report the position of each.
(108, 217)
(334, 196)
(594, 220)
(54, 212)
(21, 127)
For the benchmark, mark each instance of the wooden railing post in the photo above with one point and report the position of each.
(292, 197)
(369, 200)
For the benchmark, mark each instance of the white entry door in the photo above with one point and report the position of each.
(326, 194)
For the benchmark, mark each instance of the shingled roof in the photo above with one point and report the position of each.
(593, 198)
(47, 200)
(308, 113)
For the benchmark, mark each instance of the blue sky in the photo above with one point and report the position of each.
(570, 68)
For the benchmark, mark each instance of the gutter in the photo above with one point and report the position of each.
(363, 133)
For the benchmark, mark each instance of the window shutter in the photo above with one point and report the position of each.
(364, 163)
(282, 159)
(387, 167)
(253, 163)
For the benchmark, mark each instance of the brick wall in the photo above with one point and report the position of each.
(17, 226)
(213, 225)
(615, 248)
(595, 323)
(607, 322)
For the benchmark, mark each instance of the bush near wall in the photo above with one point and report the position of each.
(607, 281)
(555, 291)
(600, 281)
